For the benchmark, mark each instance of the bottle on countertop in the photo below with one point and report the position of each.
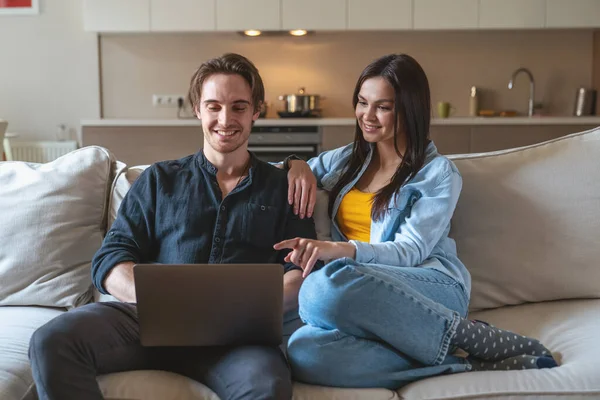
(474, 102)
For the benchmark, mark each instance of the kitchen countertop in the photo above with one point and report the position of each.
(566, 120)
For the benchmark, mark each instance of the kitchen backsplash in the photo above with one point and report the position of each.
(134, 67)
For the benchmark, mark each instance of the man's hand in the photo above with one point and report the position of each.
(120, 284)
(302, 188)
(306, 252)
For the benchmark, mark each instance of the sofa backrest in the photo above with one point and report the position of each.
(527, 224)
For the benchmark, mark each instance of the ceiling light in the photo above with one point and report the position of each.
(252, 32)
(298, 32)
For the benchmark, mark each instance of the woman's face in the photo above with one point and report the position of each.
(375, 110)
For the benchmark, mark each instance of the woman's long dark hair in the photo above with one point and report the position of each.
(412, 109)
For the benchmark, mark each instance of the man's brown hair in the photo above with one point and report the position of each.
(229, 63)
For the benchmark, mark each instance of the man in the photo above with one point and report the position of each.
(221, 205)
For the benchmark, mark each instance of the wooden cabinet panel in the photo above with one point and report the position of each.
(239, 15)
(314, 14)
(116, 15)
(182, 15)
(444, 14)
(491, 138)
(572, 13)
(379, 14)
(451, 139)
(503, 14)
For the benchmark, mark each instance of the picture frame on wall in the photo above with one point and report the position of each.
(19, 7)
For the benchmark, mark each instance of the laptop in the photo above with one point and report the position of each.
(209, 304)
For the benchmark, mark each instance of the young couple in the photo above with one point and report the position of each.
(389, 309)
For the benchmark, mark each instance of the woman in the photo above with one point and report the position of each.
(390, 308)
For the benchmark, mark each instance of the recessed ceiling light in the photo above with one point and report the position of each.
(298, 32)
(252, 32)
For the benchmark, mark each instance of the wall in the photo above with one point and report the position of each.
(328, 63)
(49, 71)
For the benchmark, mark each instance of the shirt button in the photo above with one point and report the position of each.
(217, 240)
(263, 208)
(222, 208)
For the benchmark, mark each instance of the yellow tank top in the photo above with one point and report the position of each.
(354, 215)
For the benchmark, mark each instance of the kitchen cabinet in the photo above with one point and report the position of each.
(572, 13)
(314, 14)
(239, 15)
(511, 14)
(379, 14)
(182, 15)
(444, 14)
(116, 15)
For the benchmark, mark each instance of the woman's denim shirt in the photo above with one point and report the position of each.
(414, 231)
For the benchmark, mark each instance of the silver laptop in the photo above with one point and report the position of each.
(209, 304)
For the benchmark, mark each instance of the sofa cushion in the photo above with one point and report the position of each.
(527, 221)
(161, 385)
(149, 385)
(17, 324)
(310, 392)
(569, 328)
(52, 220)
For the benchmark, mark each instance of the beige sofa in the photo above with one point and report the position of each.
(527, 226)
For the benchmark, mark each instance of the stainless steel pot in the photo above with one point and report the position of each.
(300, 102)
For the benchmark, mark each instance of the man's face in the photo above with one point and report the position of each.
(226, 111)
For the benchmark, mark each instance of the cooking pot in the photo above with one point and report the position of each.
(300, 102)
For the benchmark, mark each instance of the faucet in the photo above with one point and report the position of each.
(531, 86)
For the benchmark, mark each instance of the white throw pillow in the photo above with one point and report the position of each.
(528, 220)
(52, 218)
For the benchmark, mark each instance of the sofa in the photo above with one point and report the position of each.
(527, 226)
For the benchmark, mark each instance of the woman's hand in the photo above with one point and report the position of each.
(306, 252)
(302, 188)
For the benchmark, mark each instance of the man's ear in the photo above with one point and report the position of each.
(197, 111)
(257, 113)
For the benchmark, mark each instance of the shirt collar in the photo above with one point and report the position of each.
(211, 169)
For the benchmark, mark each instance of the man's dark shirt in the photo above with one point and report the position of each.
(174, 213)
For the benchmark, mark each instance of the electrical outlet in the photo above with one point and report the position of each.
(166, 100)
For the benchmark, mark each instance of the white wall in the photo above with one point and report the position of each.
(48, 70)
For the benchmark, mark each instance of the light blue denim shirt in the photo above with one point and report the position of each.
(414, 231)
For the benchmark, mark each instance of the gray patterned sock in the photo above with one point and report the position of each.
(487, 342)
(513, 363)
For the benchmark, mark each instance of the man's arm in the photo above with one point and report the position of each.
(119, 282)
(292, 280)
(128, 241)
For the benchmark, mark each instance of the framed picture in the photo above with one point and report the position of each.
(19, 7)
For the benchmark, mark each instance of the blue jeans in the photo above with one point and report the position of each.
(372, 325)
(72, 349)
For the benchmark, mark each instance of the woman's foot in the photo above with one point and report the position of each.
(513, 363)
(486, 342)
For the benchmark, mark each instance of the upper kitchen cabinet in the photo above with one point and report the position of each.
(239, 15)
(314, 14)
(182, 15)
(572, 14)
(379, 14)
(511, 14)
(445, 14)
(116, 15)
